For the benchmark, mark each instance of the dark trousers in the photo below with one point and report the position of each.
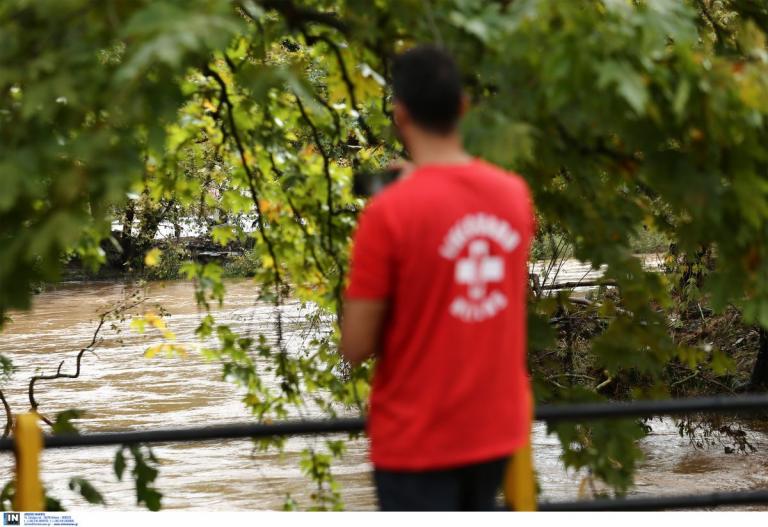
(467, 488)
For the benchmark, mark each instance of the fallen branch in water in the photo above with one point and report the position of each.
(573, 285)
(120, 307)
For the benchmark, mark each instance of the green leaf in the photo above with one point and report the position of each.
(86, 490)
(144, 477)
(721, 363)
(53, 505)
(165, 33)
(151, 498)
(63, 421)
(224, 234)
(7, 495)
(682, 95)
(119, 464)
(289, 504)
(628, 82)
(6, 367)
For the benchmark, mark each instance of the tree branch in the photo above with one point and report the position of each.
(300, 222)
(250, 176)
(296, 16)
(334, 113)
(719, 30)
(329, 204)
(326, 172)
(600, 148)
(312, 39)
(8, 416)
(59, 375)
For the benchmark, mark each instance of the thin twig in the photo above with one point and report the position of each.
(603, 384)
(688, 378)
(329, 204)
(432, 24)
(334, 114)
(59, 375)
(296, 16)
(719, 30)
(250, 176)
(8, 416)
(369, 135)
(300, 222)
(326, 172)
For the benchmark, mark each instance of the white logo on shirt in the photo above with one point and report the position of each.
(480, 269)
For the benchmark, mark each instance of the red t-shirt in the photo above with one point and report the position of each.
(448, 248)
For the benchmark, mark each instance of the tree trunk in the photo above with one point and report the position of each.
(759, 379)
(126, 238)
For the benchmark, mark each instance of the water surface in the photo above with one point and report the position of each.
(122, 390)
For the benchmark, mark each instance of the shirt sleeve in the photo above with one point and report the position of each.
(372, 267)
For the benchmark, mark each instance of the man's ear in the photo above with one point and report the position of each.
(400, 115)
(464, 105)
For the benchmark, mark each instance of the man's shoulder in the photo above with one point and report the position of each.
(414, 189)
(383, 206)
(392, 194)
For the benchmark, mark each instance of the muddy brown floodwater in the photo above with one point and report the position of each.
(122, 390)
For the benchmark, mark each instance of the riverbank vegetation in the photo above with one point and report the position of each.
(636, 123)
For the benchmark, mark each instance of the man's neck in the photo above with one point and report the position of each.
(430, 149)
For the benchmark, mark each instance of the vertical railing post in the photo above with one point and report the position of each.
(520, 478)
(28, 444)
(520, 481)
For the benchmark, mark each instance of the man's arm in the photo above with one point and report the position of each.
(368, 295)
(361, 328)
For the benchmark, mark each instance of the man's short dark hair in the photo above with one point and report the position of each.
(427, 81)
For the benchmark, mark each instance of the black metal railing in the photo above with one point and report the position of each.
(754, 403)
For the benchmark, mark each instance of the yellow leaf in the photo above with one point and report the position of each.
(155, 321)
(181, 351)
(337, 91)
(152, 258)
(208, 105)
(137, 324)
(169, 350)
(251, 400)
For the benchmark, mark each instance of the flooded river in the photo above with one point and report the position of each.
(122, 390)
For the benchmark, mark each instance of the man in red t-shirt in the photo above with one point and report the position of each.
(437, 292)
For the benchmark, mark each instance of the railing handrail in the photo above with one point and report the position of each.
(657, 503)
(208, 433)
(549, 413)
(27, 447)
(650, 408)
